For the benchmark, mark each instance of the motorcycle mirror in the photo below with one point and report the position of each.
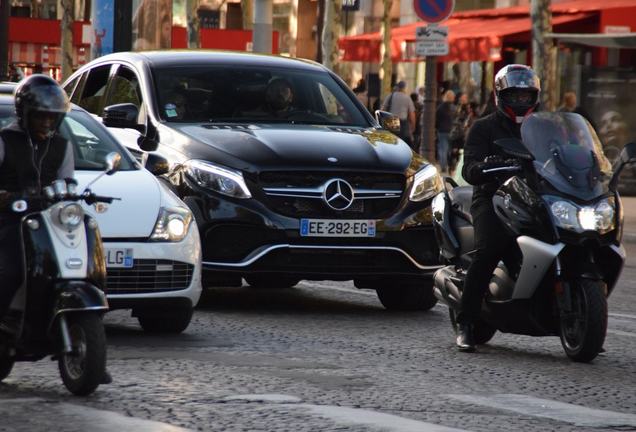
(112, 162)
(514, 147)
(627, 156)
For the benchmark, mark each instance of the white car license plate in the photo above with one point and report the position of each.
(119, 258)
(337, 228)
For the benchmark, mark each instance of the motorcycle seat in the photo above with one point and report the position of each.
(461, 198)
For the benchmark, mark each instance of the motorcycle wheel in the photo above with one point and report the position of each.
(6, 365)
(482, 331)
(83, 368)
(583, 331)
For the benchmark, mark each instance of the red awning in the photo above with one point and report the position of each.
(470, 39)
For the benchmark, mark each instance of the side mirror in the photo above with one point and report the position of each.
(627, 157)
(156, 164)
(112, 162)
(122, 116)
(388, 121)
(514, 147)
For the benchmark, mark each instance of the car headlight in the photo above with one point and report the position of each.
(71, 216)
(601, 217)
(219, 179)
(426, 183)
(172, 224)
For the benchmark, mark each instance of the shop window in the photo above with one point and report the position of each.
(92, 98)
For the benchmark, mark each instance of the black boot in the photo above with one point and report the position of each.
(465, 340)
(106, 378)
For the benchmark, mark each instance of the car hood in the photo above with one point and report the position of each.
(254, 148)
(136, 214)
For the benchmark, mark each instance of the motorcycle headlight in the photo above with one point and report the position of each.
(71, 216)
(172, 224)
(219, 179)
(426, 183)
(601, 217)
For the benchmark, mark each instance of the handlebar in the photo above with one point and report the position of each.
(514, 168)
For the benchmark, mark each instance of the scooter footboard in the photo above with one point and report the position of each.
(73, 296)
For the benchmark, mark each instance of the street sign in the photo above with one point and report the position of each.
(433, 11)
(431, 40)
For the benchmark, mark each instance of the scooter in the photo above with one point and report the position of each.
(58, 309)
(560, 205)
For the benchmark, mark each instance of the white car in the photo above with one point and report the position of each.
(152, 247)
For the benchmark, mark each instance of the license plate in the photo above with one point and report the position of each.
(337, 228)
(119, 258)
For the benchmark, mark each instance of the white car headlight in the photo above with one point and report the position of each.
(567, 215)
(71, 216)
(222, 180)
(172, 224)
(426, 183)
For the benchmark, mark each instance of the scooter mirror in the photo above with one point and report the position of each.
(628, 154)
(112, 162)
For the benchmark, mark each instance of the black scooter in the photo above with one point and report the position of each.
(561, 206)
(58, 309)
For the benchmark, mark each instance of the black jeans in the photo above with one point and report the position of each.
(10, 263)
(491, 243)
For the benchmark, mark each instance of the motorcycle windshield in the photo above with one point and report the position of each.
(567, 153)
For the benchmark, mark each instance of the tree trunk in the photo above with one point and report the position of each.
(247, 10)
(542, 57)
(192, 13)
(319, 29)
(386, 67)
(68, 15)
(330, 34)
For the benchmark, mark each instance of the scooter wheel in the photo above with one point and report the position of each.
(83, 368)
(6, 365)
(583, 331)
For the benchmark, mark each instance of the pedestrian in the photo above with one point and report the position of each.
(360, 90)
(569, 104)
(400, 104)
(458, 131)
(443, 124)
(517, 95)
(417, 132)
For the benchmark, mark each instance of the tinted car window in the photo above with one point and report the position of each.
(92, 97)
(91, 143)
(253, 94)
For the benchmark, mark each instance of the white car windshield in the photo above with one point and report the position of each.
(91, 142)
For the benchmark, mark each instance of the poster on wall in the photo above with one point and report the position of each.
(152, 24)
(103, 23)
(608, 95)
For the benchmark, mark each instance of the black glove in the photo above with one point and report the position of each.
(6, 199)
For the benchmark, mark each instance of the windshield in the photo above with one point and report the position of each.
(90, 141)
(244, 94)
(567, 153)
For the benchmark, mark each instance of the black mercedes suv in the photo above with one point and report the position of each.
(288, 175)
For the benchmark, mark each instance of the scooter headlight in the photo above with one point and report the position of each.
(601, 217)
(71, 216)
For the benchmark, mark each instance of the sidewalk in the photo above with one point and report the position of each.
(629, 211)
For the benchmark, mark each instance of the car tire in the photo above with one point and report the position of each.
(407, 295)
(269, 281)
(164, 321)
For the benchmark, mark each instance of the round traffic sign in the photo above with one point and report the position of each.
(433, 11)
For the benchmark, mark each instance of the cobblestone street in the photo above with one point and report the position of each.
(325, 356)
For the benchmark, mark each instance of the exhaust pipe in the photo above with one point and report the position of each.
(444, 288)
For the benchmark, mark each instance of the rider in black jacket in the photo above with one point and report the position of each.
(32, 155)
(517, 95)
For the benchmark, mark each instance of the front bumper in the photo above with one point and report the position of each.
(161, 270)
(245, 236)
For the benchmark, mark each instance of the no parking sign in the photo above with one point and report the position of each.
(433, 11)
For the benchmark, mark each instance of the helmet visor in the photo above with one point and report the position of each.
(519, 78)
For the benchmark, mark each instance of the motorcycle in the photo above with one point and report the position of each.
(560, 204)
(58, 308)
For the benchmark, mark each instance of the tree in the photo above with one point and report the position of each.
(247, 11)
(386, 68)
(543, 51)
(68, 14)
(331, 34)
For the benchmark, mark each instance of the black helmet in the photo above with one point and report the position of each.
(40, 93)
(279, 94)
(517, 91)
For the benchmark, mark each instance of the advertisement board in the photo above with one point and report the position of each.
(152, 24)
(103, 28)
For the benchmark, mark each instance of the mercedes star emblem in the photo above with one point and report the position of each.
(338, 194)
(332, 159)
